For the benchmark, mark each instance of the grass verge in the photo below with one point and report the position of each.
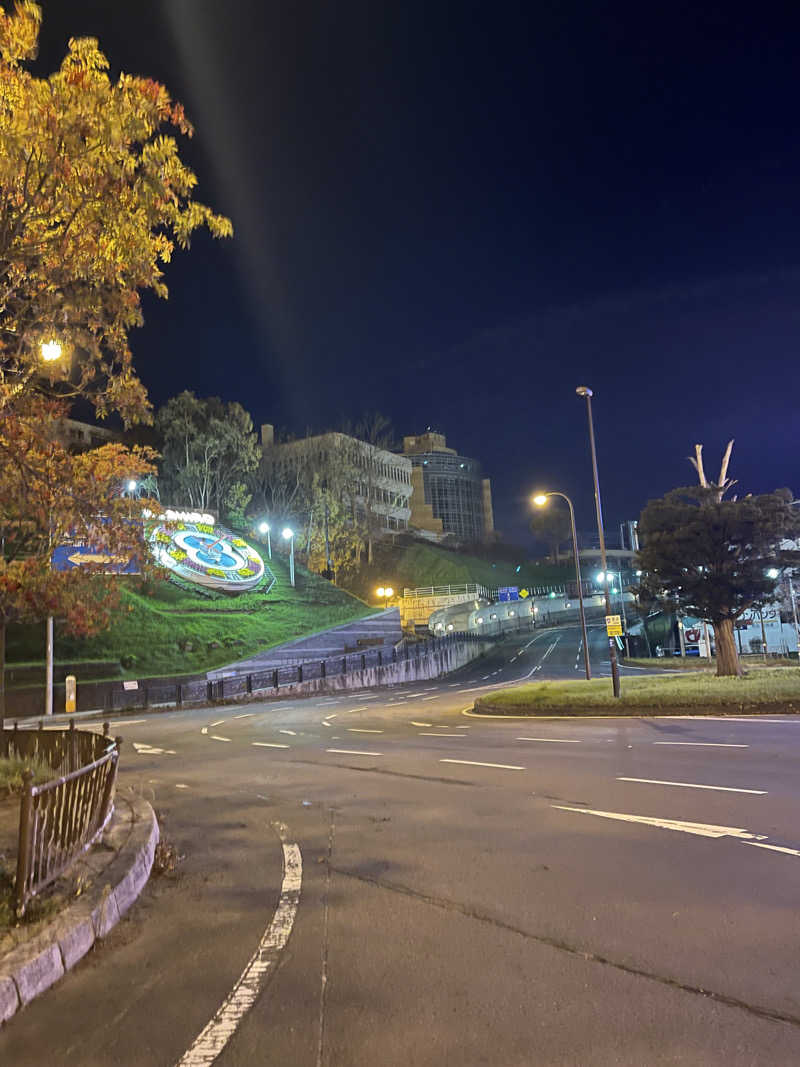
(767, 690)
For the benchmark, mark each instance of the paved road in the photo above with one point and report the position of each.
(474, 891)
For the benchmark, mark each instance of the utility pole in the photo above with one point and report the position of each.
(586, 392)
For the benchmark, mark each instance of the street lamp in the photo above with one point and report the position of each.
(288, 535)
(586, 392)
(540, 500)
(51, 351)
(264, 529)
(384, 592)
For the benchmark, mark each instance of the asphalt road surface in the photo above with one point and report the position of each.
(379, 878)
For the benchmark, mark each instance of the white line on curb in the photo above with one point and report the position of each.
(218, 1032)
(700, 744)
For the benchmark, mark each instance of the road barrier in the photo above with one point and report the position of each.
(61, 818)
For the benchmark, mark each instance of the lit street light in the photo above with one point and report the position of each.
(586, 392)
(264, 529)
(131, 486)
(288, 535)
(540, 500)
(51, 351)
(384, 592)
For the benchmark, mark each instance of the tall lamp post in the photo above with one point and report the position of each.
(540, 500)
(586, 392)
(264, 529)
(51, 351)
(288, 535)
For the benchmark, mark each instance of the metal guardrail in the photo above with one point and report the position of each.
(61, 818)
(468, 589)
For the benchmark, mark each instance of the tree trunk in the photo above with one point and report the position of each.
(727, 658)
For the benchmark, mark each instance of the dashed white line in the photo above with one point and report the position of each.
(214, 737)
(774, 848)
(219, 722)
(694, 785)
(351, 752)
(245, 715)
(363, 708)
(700, 744)
(422, 699)
(216, 1035)
(475, 763)
(552, 740)
(429, 734)
(415, 723)
(362, 730)
(268, 744)
(291, 733)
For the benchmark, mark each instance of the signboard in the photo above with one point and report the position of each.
(614, 625)
(70, 557)
(523, 593)
(508, 592)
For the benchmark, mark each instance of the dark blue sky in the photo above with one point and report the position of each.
(457, 213)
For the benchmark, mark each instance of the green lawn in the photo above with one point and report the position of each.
(652, 695)
(156, 622)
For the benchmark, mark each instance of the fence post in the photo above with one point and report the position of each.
(106, 728)
(344, 664)
(179, 694)
(24, 854)
(323, 670)
(299, 672)
(380, 657)
(394, 654)
(363, 661)
(209, 691)
(73, 748)
(275, 678)
(108, 790)
(249, 684)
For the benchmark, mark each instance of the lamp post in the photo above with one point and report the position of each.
(288, 535)
(51, 351)
(384, 593)
(264, 529)
(586, 392)
(540, 500)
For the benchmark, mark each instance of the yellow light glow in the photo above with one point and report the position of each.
(388, 591)
(380, 591)
(540, 499)
(51, 351)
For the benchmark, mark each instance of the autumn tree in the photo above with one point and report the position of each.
(713, 556)
(48, 497)
(209, 449)
(93, 200)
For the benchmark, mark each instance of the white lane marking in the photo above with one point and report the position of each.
(415, 723)
(331, 714)
(180, 785)
(362, 730)
(552, 740)
(351, 752)
(484, 677)
(151, 750)
(428, 698)
(219, 722)
(363, 708)
(430, 689)
(694, 785)
(429, 734)
(291, 733)
(438, 727)
(245, 715)
(268, 744)
(700, 744)
(452, 685)
(327, 724)
(467, 727)
(204, 730)
(700, 829)
(475, 763)
(215, 1036)
(215, 737)
(775, 848)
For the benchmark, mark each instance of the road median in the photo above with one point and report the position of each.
(775, 691)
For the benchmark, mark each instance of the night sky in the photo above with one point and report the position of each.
(456, 213)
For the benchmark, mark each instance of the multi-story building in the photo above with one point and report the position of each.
(81, 436)
(450, 496)
(377, 481)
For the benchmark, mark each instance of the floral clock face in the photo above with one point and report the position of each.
(206, 555)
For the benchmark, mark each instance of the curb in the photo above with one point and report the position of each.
(31, 968)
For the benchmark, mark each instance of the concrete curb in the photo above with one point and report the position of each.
(30, 968)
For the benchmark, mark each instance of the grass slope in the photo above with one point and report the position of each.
(656, 695)
(417, 564)
(155, 622)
